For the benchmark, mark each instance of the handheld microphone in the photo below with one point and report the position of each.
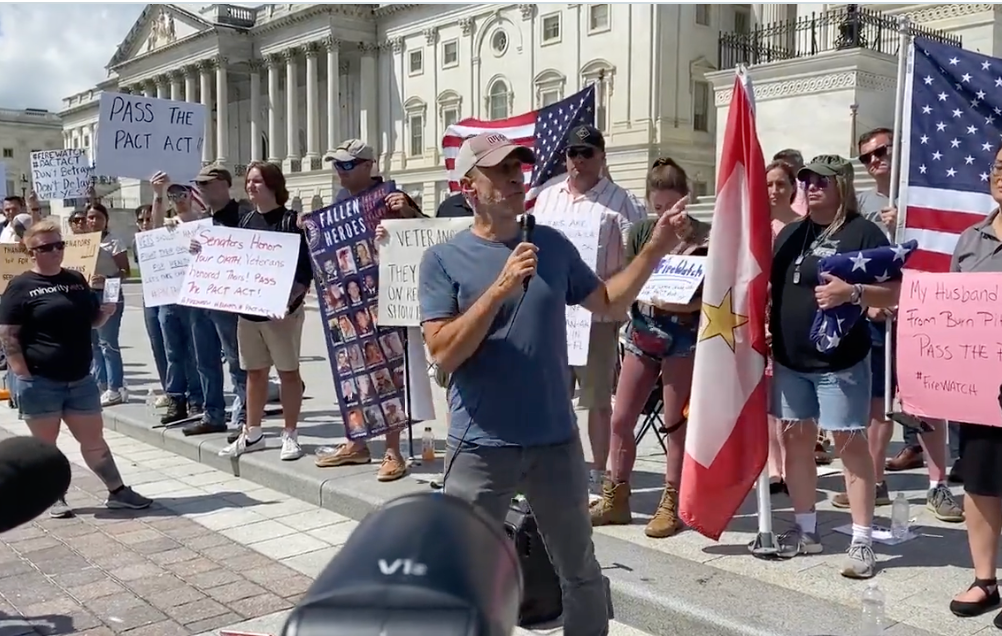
(33, 476)
(528, 226)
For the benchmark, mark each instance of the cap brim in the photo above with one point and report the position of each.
(205, 178)
(819, 169)
(341, 156)
(496, 156)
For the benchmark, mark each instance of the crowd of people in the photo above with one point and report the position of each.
(492, 307)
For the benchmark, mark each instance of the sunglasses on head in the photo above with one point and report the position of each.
(815, 180)
(346, 166)
(876, 153)
(580, 151)
(45, 248)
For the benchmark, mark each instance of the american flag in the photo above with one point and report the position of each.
(866, 267)
(950, 136)
(196, 199)
(543, 130)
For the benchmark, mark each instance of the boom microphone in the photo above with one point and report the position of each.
(33, 476)
(422, 564)
(528, 226)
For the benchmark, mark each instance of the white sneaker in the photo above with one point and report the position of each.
(110, 398)
(242, 445)
(291, 449)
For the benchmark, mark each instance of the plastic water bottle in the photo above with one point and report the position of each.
(428, 445)
(900, 517)
(124, 392)
(151, 403)
(872, 621)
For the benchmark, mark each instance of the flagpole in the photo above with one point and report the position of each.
(904, 42)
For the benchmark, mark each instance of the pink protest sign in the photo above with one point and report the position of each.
(949, 349)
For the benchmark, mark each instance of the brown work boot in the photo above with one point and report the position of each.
(392, 468)
(665, 522)
(344, 455)
(910, 457)
(882, 498)
(613, 509)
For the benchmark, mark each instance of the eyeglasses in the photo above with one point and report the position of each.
(584, 153)
(816, 180)
(346, 166)
(876, 153)
(45, 248)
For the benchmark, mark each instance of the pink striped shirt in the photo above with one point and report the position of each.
(619, 209)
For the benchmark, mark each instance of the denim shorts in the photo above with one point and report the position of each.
(40, 397)
(838, 400)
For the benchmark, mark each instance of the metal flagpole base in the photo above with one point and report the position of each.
(764, 546)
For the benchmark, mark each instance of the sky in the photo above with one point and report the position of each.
(50, 51)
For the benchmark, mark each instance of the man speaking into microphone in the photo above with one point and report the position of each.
(513, 428)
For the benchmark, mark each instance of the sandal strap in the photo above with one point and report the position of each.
(985, 585)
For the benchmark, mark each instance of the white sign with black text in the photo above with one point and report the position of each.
(164, 259)
(675, 280)
(61, 174)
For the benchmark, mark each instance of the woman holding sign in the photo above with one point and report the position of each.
(112, 262)
(46, 315)
(660, 342)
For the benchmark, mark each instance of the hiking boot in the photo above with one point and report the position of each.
(910, 457)
(195, 409)
(941, 503)
(392, 468)
(613, 509)
(177, 411)
(883, 497)
(344, 455)
(665, 522)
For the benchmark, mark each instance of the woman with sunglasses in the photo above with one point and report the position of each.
(78, 222)
(112, 262)
(46, 315)
(830, 389)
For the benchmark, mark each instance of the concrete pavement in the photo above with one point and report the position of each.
(688, 581)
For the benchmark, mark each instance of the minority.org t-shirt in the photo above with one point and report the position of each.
(55, 314)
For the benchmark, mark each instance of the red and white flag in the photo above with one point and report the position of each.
(727, 441)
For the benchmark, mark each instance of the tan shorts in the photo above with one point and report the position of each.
(596, 379)
(271, 343)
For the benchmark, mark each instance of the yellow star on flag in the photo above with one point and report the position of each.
(721, 320)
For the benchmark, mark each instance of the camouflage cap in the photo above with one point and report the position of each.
(828, 166)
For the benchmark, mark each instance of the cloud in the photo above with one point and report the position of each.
(50, 51)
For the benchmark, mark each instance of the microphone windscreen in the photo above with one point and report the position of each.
(33, 476)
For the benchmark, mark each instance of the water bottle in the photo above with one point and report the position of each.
(873, 611)
(124, 392)
(428, 445)
(151, 403)
(900, 517)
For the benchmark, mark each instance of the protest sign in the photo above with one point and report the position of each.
(675, 280)
(139, 136)
(241, 271)
(582, 229)
(368, 363)
(164, 259)
(400, 257)
(80, 255)
(949, 355)
(61, 174)
(112, 290)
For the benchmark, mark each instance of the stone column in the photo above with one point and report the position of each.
(205, 88)
(190, 76)
(161, 87)
(255, 110)
(176, 77)
(312, 106)
(369, 120)
(333, 94)
(222, 112)
(92, 133)
(291, 107)
(149, 89)
(273, 63)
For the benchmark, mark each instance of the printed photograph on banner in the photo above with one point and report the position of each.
(346, 274)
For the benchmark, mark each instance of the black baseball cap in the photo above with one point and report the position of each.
(586, 136)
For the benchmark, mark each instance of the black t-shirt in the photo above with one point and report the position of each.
(454, 207)
(55, 314)
(228, 215)
(282, 220)
(794, 305)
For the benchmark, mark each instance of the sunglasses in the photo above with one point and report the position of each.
(346, 166)
(816, 180)
(876, 153)
(45, 248)
(584, 153)
(77, 219)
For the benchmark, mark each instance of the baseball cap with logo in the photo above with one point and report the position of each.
(487, 150)
(212, 172)
(586, 136)
(827, 166)
(352, 150)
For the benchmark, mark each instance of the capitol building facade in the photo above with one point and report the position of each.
(288, 82)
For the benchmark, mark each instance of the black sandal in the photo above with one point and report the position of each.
(969, 609)
(777, 487)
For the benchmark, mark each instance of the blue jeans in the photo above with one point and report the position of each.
(226, 331)
(40, 397)
(188, 336)
(156, 335)
(107, 367)
(838, 401)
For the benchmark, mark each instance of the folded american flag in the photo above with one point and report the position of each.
(867, 267)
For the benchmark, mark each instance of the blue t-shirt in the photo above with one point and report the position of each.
(515, 390)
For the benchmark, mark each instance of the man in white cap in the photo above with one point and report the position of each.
(492, 311)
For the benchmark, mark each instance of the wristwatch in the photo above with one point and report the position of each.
(856, 298)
